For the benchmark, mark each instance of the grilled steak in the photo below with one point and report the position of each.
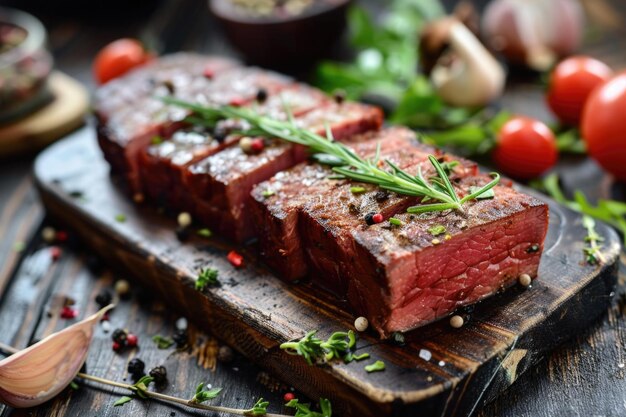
(221, 183)
(130, 115)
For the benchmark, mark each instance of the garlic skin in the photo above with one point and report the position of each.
(474, 77)
(533, 32)
(38, 373)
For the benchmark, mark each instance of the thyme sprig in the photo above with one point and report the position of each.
(202, 395)
(386, 175)
(258, 409)
(593, 252)
(304, 410)
(340, 345)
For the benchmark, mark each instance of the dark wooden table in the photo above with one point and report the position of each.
(585, 377)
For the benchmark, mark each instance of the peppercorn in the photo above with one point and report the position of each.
(122, 288)
(525, 280)
(55, 253)
(131, 340)
(184, 219)
(257, 145)
(235, 259)
(361, 324)
(48, 234)
(457, 322)
(288, 396)
(377, 218)
(369, 218)
(136, 368)
(181, 338)
(339, 96)
(225, 354)
(159, 373)
(104, 298)
(220, 133)
(68, 312)
(246, 145)
(117, 346)
(119, 336)
(381, 195)
(61, 236)
(208, 73)
(261, 95)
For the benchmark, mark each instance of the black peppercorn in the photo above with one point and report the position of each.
(119, 336)
(369, 218)
(220, 132)
(339, 96)
(261, 95)
(182, 233)
(381, 195)
(136, 368)
(104, 298)
(181, 338)
(159, 374)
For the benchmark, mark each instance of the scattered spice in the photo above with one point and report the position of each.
(257, 145)
(593, 254)
(339, 96)
(68, 312)
(136, 368)
(159, 374)
(235, 259)
(437, 230)
(267, 193)
(122, 288)
(289, 396)
(377, 218)
(120, 218)
(184, 219)
(104, 298)
(119, 336)
(205, 232)
(48, 234)
(395, 222)
(246, 145)
(357, 190)
(208, 73)
(131, 340)
(206, 277)
(261, 95)
(162, 342)
(361, 324)
(435, 241)
(457, 321)
(525, 280)
(375, 367)
(181, 338)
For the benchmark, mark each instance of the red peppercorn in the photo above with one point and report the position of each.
(131, 340)
(289, 396)
(105, 317)
(117, 346)
(237, 101)
(61, 236)
(257, 145)
(235, 259)
(55, 253)
(68, 312)
(208, 73)
(377, 218)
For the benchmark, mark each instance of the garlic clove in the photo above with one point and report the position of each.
(34, 375)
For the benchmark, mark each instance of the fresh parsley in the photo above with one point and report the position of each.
(202, 395)
(258, 409)
(304, 410)
(375, 367)
(206, 277)
(162, 342)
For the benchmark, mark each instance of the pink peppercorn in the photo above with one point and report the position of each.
(68, 312)
(131, 340)
(289, 396)
(377, 218)
(55, 253)
(257, 145)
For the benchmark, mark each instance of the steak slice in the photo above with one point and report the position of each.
(130, 114)
(221, 184)
(162, 165)
(403, 277)
(276, 216)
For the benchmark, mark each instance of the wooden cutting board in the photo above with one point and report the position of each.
(439, 372)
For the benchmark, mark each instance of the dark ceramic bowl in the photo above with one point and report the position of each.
(283, 41)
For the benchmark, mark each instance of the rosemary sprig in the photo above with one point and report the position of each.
(592, 252)
(389, 176)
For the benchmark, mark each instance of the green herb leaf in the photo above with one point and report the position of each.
(120, 218)
(437, 230)
(162, 342)
(593, 251)
(122, 401)
(156, 140)
(375, 367)
(203, 395)
(207, 277)
(309, 347)
(141, 386)
(304, 410)
(395, 222)
(483, 196)
(205, 232)
(357, 190)
(74, 385)
(258, 409)
(267, 193)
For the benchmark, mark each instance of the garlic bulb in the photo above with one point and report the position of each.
(533, 32)
(36, 374)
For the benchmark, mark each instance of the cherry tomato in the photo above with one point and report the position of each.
(571, 82)
(604, 125)
(117, 58)
(525, 148)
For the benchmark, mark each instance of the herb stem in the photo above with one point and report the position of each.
(157, 395)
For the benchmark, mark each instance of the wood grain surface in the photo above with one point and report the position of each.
(584, 377)
(254, 312)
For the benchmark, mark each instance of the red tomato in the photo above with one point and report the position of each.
(525, 148)
(571, 82)
(604, 125)
(117, 58)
